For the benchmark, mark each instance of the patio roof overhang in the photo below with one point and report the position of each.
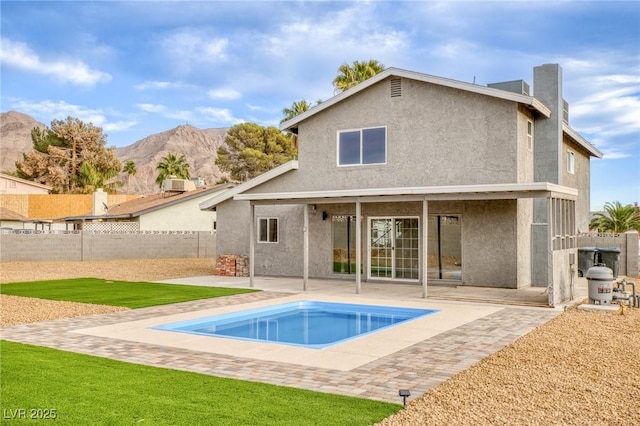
(404, 194)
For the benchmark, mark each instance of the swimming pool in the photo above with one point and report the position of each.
(305, 323)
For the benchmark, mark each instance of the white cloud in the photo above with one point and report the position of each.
(19, 55)
(190, 48)
(119, 126)
(160, 85)
(218, 115)
(228, 94)
(151, 107)
(49, 110)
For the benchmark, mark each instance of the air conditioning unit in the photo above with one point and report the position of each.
(178, 185)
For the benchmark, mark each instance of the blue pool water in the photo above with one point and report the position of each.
(306, 323)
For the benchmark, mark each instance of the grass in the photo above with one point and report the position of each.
(128, 294)
(85, 389)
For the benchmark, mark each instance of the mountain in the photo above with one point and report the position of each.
(199, 146)
(15, 138)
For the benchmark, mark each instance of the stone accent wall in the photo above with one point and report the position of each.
(232, 265)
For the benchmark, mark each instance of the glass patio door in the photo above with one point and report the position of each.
(394, 248)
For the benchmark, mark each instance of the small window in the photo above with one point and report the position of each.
(364, 146)
(13, 184)
(571, 162)
(268, 230)
(530, 135)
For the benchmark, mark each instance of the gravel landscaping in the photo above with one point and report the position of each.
(581, 368)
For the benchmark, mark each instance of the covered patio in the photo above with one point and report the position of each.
(558, 202)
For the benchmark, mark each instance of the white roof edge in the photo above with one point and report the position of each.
(582, 141)
(427, 78)
(424, 190)
(258, 180)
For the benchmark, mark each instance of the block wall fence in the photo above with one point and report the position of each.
(43, 246)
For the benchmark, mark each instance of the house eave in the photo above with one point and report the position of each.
(592, 150)
(530, 101)
(256, 181)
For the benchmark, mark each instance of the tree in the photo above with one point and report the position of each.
(616, 218)
(252, 150)
(351, 75)
(130, 169)
(91, 178)
(296, 109)
(60, 152)
(172, 165)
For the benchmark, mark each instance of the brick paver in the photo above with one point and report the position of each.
(418, 367)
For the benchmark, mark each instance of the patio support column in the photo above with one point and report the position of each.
(305, 233)
(252, 239)
(550, 222)
(358, 245)
(423, 243)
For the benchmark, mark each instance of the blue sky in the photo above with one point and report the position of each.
(141, 67)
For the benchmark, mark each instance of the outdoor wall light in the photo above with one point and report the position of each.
(404, 393)
(325, 215)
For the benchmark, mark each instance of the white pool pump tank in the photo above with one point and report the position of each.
(600, 281)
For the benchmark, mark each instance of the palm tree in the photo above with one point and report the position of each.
(92, 178)
(351, 75)
(172, 165)
(616, 218)
(130, 169)
(297, 108)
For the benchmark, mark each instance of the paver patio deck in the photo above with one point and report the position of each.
(418, 367)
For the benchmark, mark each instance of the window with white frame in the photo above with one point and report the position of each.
(268, 230)
(362, 146)
(530, 135)
(571, 162)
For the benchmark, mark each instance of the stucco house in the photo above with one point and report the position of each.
(14, 185)
(166, 211)
(413, 178)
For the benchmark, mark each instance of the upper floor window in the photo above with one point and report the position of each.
(363, 146)
(530, 135)
(571, 162)
(268, 230)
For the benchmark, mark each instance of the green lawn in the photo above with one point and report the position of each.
(82, 390)
(115, 293)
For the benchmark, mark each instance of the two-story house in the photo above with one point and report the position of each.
(409, 177)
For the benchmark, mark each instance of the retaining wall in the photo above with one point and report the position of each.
(42, 246)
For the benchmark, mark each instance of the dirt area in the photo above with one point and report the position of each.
(580, 368)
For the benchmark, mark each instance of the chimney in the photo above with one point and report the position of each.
(99, 205)
(547, 88)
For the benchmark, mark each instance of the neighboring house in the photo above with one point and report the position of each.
(167, 211)
(12, 220)
(14, 185)
(497, 175)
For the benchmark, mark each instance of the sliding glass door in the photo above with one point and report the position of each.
(394, 248)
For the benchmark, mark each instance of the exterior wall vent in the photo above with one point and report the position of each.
(396, 87)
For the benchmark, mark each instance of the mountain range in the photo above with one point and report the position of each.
(199, 146)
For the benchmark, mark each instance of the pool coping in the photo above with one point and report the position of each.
(344, 356)
(416, 366)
